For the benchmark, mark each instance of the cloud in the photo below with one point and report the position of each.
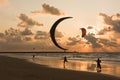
(99, 43)
(113, 21)
(59, 37)
(92, 40)
(20, 40)
(51, 10)
(27, 22)
(104, 31)
(58, 34)
(27, 31)
(108, 43)
(16, 36)
(27, 38)
(73, 41)
(47, 9)
(36, 12)
(107, 19)
(41, 35)
(90, 27)
(12, 35)
(1, 35)
(12, 32)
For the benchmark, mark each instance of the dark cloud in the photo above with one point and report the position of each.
(107, 19)
(108, 43)
(41, 35)
(73, 41)
(12, 35)
(27, 22)
(12, 32)
(47, 9)
(27, 31)
(1, 35)
(92, 40)
(118, 15)
(113, 21)
(16, 36)
(99, 43)
(24, 40)
(27, 38)
(90, 27)
(51, 10)
(14, 39)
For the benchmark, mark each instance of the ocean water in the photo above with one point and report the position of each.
(76, 61)
(113, 57)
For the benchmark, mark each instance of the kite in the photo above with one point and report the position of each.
(83, 31)
(52, 32)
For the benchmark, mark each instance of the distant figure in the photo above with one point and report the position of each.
(98, 65)
(65, 60)
(33, 56)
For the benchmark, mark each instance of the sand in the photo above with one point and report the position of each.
(20, 69)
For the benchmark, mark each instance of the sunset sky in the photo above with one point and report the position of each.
(25, 24)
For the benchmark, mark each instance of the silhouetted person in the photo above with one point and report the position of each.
(65, 60)
(98, 65)
(33, 56)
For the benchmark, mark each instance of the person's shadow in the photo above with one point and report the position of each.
(98, 70)
(64, 65)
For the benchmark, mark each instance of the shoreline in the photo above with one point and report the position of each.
(87, 66)
(21, 69)
(76, 65)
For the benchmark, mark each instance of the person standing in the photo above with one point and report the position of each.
(98, 65)
(65, 60)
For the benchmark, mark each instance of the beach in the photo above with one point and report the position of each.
(21, 69)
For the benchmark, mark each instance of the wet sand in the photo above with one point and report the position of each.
(20, 69)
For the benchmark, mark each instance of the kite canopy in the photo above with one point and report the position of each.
(83, 31)
(52, 32)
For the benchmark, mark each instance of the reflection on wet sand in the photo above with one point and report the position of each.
(107, 68)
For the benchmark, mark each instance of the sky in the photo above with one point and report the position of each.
(25, 25)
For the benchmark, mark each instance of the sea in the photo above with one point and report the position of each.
(79, 61)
